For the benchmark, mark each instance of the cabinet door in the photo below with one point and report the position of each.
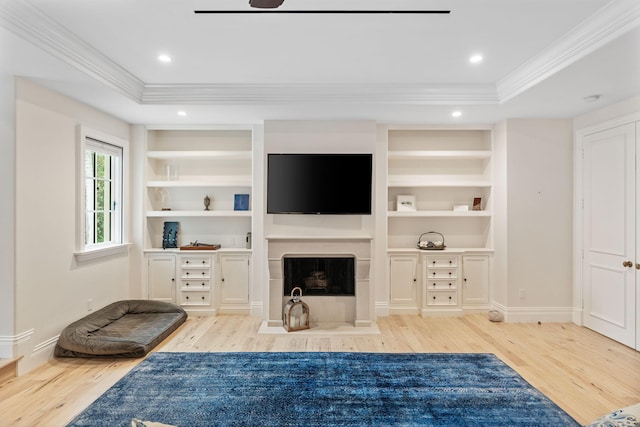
(162, 278)
(403, 271)
(234, 279)
(475, 282)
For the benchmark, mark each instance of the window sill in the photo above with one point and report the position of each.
(103, 252)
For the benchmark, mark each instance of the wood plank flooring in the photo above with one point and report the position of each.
(583, 372)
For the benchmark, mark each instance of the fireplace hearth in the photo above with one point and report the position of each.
(326, 276)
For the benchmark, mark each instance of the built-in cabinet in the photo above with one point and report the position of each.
(234, 280)
(475, 281)
(404, 279)
(161, 274)
(439, 180)
(202, 179)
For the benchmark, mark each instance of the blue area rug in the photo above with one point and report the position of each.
(323, 389)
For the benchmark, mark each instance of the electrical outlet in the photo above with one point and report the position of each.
(523, 294)
(89, 304)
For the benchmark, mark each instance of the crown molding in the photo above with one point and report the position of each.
(32, 25)
(282, 93)
(613, 20)
(26, 21)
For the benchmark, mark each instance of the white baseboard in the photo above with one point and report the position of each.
(536, 314)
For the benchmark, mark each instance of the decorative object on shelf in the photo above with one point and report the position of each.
(406, 203)
(197, 246)
(170, 235)
(248, 240)
(172, 171)
(460, 208)
(162, 195)
(207, 202)
(241, 202)
(296, 313)
(429, 241)
(477, 204)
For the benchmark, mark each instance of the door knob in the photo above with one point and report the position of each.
(637, 266)
(627, 264)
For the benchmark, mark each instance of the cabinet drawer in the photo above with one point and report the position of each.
(195, 261)
(442, 261)
(195, 298)
(195, 284)
(442, 273)
(195, 273)
(440, 284)
(442, 298)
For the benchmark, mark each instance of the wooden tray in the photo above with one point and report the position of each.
(199, 247)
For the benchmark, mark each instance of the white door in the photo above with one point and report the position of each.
(475, 282)
(403, 282)
(609, 233)
(162, 282)
(234, 279)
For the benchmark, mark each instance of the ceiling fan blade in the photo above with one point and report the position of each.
(265, 4)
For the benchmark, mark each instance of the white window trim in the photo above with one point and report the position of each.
(82, 252)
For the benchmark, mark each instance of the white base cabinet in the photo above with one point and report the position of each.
(475, 282)
(403, 280)
(202, 282)
(161, 274)
(234, 282)
(442, 285)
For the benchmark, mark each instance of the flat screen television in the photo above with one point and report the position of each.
(330, 184)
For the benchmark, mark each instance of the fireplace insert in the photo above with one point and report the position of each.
(330, 276)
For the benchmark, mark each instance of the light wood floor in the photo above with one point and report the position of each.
(584, 373)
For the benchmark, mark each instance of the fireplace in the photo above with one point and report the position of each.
(327, 276)
(333, 273)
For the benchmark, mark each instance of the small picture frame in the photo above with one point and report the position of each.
(406, 203)
(477, 204)
(241, 202)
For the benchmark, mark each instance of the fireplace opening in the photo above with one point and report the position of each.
(331, 276)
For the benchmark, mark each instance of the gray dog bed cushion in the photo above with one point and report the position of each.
(129, 328)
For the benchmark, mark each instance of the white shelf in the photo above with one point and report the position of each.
(424, 214)
(205, 155)
(217, 181)
(193, 214)
(436, 181)
(432, 154)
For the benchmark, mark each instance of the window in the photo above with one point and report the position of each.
(101, 195)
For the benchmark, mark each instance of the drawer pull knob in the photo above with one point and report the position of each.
(203, 298)
(449, 284)
(187, 273)
(204, 262)
(203, 273)
(187, 261)
(434, 285)
(187, 297)
(186, 284)
(203, 284)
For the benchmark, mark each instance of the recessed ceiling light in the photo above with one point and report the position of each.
(456, 114)
(475, 59)
(182, 113)
(164, 58)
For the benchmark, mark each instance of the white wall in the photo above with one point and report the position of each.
(7, 214)
(539, 176)
(52, 290)
(319, 137)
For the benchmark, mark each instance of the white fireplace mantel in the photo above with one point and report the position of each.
(358, 246)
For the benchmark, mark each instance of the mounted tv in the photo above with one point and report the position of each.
(329, 184)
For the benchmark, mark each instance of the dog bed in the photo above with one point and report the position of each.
(129, 328)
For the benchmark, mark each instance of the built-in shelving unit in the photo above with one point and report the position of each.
(443, 170)
(185, 166)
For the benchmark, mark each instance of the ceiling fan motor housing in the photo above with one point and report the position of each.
(265, 4)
